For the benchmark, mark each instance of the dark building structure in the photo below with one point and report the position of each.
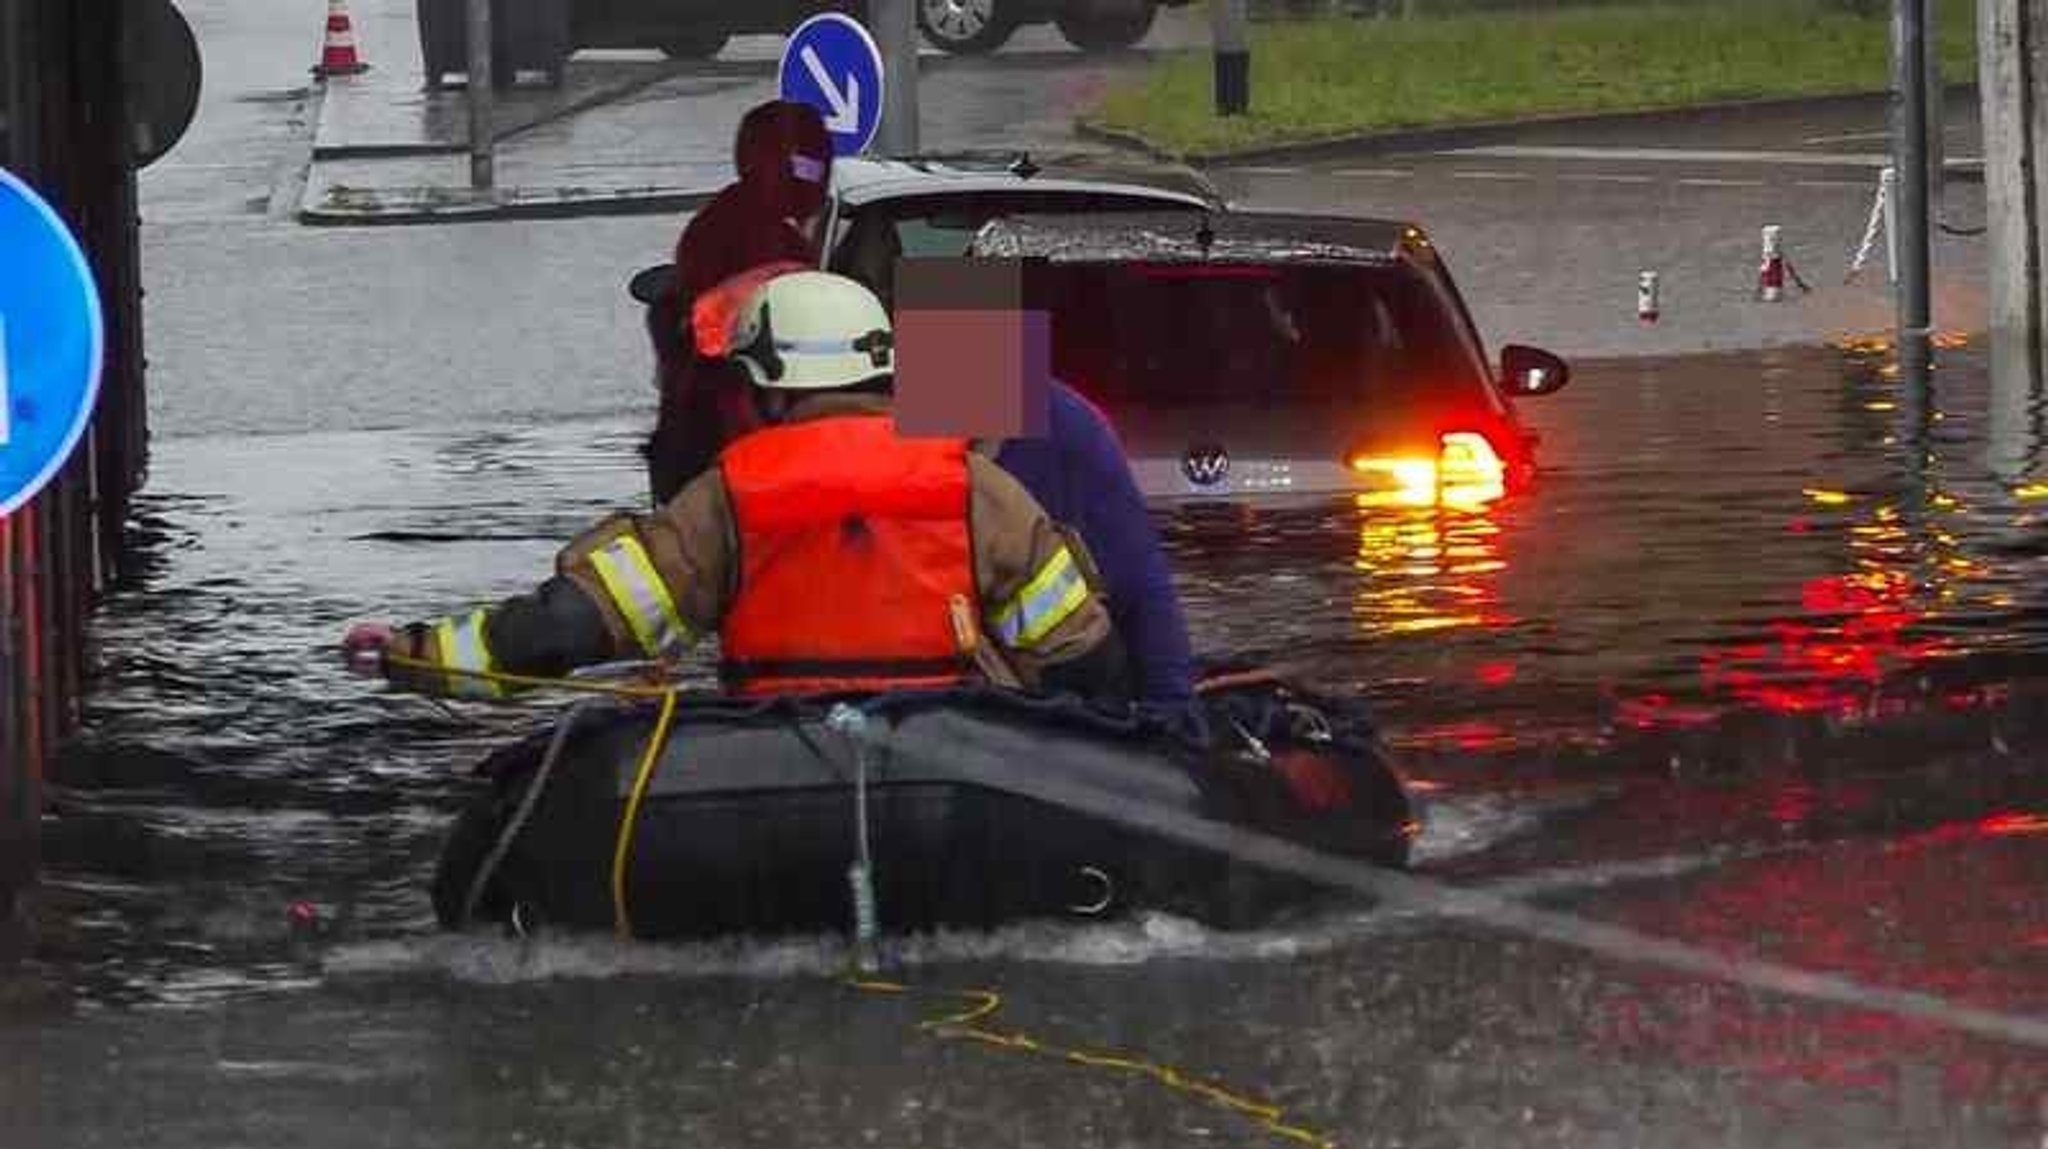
(66, 127)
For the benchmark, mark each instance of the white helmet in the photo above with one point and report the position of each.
(813, 331)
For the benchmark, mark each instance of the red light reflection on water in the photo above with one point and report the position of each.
(1960, 918)
(1856, 633)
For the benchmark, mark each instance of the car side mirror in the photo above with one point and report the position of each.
(1530, 371)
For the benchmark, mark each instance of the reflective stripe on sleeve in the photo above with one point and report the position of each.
(641, 597)
(461, 644)
(1049, 599)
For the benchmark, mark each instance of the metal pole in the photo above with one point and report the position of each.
(895, 34)
(1233, 57)
(1909, 141)
(1937, 146)
(481, 92)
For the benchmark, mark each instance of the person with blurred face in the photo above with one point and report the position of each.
(768, 218)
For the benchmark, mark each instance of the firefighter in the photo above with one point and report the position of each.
(829, 554)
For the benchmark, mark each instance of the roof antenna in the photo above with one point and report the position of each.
(1022, 167)
(1205, 236)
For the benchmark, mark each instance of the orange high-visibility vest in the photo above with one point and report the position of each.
(853, 546)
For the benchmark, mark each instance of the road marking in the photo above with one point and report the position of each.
(1501, 176)
(1705, 182)
(1375, 173)
(1266, 171)
(1678, 156)
(1859, 185)
(1608, 178)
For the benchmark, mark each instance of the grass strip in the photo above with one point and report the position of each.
(1333, 76)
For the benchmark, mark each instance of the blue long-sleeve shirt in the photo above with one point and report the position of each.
(1079, 474)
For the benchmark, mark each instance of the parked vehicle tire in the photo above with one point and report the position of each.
(694, 43)
(966, 27)
(1106, 27)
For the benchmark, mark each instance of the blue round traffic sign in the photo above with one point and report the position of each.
(832, 64)
(52, 343)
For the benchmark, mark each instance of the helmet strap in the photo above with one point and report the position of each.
(762, 349)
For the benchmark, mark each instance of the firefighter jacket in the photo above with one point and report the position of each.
(830, 554)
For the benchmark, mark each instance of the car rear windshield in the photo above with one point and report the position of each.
(1213, 334)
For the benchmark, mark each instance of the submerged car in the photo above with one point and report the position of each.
(1262, 355)
(935, 204)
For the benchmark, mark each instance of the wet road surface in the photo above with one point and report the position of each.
(1757, 665)
(1753, 667)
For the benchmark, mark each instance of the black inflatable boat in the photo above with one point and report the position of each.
(752, 814)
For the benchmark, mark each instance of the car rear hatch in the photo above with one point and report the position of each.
(1262, 356)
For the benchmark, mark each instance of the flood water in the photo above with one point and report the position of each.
(1757, 665)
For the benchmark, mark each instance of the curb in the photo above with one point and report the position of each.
(386, 151)
(1445, 136)
(377, 207)
(596, 98)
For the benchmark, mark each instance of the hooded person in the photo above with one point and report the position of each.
(767, 217)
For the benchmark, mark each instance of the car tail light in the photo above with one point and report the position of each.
(1466, 472)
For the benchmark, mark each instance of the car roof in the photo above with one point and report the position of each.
(864, 180)
(1222, 237)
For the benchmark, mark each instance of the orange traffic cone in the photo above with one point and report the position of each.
(338, 55)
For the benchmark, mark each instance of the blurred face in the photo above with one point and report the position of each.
(807, 188)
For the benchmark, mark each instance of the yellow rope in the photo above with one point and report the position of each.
(968, 1024)
(629, 821)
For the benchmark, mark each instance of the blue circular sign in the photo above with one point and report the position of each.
(832, 64)
(52, 343)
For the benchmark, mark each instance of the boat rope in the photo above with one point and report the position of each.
(622, 851)
(972, 1023)
(1418, 894)
(851, 722)
(489, 868)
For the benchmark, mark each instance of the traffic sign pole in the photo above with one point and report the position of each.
(896, 30)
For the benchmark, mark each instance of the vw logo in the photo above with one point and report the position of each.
(1206, 464)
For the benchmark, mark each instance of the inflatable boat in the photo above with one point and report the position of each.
(970, 809)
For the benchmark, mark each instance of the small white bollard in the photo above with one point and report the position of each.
(1770, 278)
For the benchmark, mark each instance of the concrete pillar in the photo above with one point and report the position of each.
(2012, 70)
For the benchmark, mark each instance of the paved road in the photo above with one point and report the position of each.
(1548, 233)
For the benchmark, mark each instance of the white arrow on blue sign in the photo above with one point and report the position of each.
(52, 343)
(832, 64)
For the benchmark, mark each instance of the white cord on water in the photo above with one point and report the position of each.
(1870, 230)
(1442, 899)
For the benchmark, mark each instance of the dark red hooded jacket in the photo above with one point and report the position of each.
(784, 159)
